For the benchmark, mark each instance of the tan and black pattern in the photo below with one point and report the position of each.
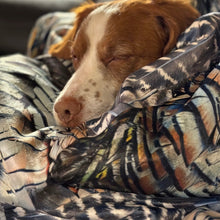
(26, 98)
(182, 65)
(147, 158)
(206, 6)
(156, 150)
(179, 73)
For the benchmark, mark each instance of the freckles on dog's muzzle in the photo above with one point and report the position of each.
(66, 109)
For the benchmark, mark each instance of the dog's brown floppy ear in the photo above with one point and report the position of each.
(175, 18)
(171, 31)
(63, 49)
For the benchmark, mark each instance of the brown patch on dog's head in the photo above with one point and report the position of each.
(62, 49)
(109, 41)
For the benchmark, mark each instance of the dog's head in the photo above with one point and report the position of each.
(107, 43)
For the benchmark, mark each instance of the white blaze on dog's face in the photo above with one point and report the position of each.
(91, 90)
(112, 41)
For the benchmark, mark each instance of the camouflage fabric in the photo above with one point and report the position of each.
(206, 6)
(154, 155)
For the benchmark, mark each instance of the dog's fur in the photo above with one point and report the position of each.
(108, 42)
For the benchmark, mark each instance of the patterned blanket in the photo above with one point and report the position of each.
(154, 155)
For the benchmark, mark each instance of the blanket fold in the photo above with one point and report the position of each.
(154, 155)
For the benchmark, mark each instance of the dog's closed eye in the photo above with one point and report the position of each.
(116, 59)
(110, 41)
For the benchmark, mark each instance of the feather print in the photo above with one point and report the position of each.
(154, 155)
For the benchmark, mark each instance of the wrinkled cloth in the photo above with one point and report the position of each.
(154, 155)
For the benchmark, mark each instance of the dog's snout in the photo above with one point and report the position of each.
(66, 109)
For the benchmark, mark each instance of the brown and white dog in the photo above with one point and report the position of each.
(108, 42)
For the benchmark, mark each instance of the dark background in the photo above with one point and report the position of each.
(17, 17)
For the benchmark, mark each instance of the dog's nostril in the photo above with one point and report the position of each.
(67, 109)
(67, 112)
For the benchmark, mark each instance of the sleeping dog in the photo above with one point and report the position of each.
(108, 42)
